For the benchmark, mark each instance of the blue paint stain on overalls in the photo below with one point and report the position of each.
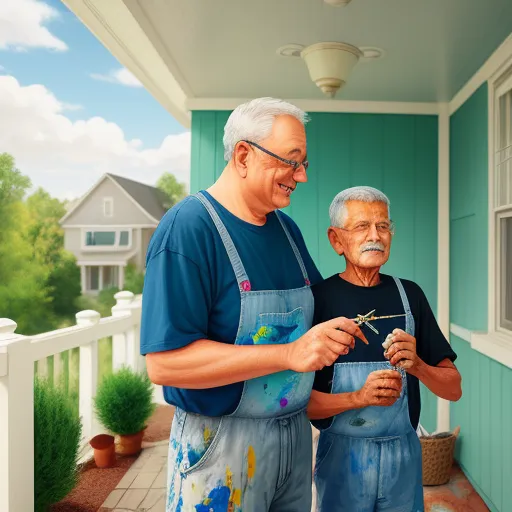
(258, 458)
(369, 460)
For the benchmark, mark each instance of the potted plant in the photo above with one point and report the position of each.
(104, 450)
(124, 403)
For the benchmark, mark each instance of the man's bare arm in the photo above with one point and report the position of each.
(444, 380)
(382, 388)
(206, 364)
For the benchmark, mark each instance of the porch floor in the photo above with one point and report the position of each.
(142, 488)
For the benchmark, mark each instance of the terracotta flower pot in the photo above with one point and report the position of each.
(130, 444)
(104, 450)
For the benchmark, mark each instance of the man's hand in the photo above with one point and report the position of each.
(322, 345)
(401, 351)
(382, 388)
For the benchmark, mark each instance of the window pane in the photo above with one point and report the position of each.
(506, 273)
(123, 238)
(101, 238)
(94, 278)
(502, 181)
(110, 277)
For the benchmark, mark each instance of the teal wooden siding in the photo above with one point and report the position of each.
(484, 412)
(394, 153)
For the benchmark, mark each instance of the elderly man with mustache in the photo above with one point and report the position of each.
(367, 404)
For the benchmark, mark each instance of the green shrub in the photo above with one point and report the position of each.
(57, 435)
(124, 401)
(133, 279)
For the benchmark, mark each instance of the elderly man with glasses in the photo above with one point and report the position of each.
(226, 325)
(367, 404)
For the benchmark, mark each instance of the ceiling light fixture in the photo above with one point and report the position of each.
(337, 3)
(330, 64)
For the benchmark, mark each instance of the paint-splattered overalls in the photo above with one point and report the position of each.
(369, 460)
(257, 459)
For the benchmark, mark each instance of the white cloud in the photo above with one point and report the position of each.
(22, 25)
(118, 76)
(66, 157)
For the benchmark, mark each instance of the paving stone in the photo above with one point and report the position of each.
(132, 498)
(144, 480)
(113, 498)
(161, 480)
(153, 497)
(159, 505)
(127, 479)
(154, 463)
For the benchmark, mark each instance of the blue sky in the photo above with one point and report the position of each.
(55, 51)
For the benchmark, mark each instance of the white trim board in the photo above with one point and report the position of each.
(495, 346)
(363, 107)
(443, 244)
(119, 263)
(109, 226)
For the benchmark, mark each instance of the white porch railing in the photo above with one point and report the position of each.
(17, 356)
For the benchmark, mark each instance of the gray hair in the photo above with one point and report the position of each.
(338, 211)
(253, 121)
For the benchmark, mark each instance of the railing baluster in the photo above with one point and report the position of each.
(16, 421)
(88, 376)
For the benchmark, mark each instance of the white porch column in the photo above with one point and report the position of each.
(100, 278)
(121, 277)
(16, 420)
(83, 277)
(88, 376)
(443, 246)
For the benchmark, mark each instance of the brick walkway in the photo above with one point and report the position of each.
(142, 488)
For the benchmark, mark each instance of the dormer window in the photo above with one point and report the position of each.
(108, 206)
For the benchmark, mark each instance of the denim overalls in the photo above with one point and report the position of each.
(258, 458)
(369, 460)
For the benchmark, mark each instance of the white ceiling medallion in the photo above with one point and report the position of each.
(337, 3)
(330, 64)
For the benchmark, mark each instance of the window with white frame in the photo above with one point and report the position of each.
(502, 205)
(107, 239)
(108, 206)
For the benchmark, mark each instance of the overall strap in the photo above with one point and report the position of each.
(409, 319)
(295, 249)
(234, 258)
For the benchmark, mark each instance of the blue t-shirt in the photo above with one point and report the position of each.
(190, 289)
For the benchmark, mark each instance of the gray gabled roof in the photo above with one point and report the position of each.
(152, 199)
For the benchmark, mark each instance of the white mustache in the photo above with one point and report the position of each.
(373, 246)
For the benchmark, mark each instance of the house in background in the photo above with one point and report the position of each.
(110, 227)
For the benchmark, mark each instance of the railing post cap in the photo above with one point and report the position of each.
(124, 296)
(87, 317)
(7, 326)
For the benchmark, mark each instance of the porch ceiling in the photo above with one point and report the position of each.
(189, 49)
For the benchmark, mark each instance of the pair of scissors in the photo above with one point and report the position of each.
(370, 317)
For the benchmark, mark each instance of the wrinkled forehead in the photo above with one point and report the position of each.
(363, 210)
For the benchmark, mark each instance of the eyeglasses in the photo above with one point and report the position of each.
(383, 228)
(293, 163)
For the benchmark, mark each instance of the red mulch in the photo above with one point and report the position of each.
(96, 484)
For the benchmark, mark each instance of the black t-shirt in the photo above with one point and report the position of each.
(336, 297)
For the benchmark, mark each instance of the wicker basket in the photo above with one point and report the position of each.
(437, 453)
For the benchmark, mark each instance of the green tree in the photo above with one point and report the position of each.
(172, 188)
(46, 237)
(23, 294)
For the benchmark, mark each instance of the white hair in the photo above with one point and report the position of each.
(253, 121)
(338, 210)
